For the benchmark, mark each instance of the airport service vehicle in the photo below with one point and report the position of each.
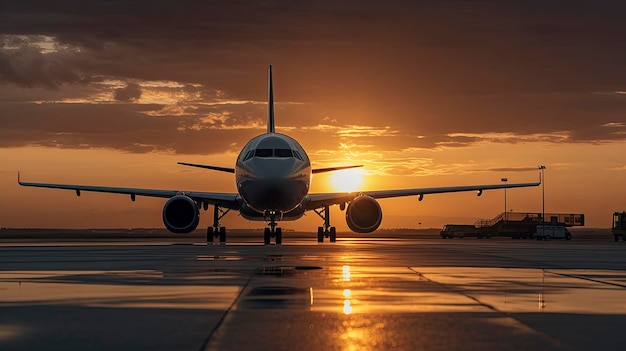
(547, 232)
(450, 231)
(618, 229)
(272, 175)
(523, 225)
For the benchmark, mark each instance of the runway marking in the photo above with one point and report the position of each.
(589, 279)
(520, 324)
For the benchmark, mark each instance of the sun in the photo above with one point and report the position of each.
(347, 180)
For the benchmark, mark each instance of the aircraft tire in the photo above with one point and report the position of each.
(266, 236)
(209, 235)
(222, 235)
(333, 234)
(320, 234)
(279, 236)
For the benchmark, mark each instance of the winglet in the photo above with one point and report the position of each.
(18, 178)
(270, 103)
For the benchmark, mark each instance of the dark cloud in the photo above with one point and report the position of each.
(26, 66)
(442, 73)
(111, 127)
(132, 91)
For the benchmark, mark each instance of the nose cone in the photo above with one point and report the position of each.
(277, 184)
(274, 194)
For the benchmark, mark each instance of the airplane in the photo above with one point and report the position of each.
(273, 174)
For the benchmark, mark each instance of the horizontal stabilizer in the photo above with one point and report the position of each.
(215, 168)
(331, 169)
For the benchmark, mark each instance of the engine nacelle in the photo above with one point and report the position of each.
(181, 214)
(364, 214)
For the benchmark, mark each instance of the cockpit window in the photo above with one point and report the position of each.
(263, 153)
(297, 155)
(249, 155)
(283, 153)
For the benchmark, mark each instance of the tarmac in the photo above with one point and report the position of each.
(361, 293)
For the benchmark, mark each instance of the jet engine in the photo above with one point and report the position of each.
(364, 214)
(181, 214)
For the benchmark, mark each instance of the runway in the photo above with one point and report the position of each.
(360, 293)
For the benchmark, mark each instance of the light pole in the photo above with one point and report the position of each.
(543, 194)
(504, 180)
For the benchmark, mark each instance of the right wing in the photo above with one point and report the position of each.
(227, 200)
(329, 199)
(331, 169)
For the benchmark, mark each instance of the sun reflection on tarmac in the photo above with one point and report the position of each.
(347, 303)
(346, 273)
(347, 307)
(347, 293)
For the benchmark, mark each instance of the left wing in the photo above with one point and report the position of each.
(328, 199)
(215, 168)
(227, 200)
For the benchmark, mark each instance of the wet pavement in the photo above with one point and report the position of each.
(356, 294)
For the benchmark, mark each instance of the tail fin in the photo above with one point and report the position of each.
(270, 103)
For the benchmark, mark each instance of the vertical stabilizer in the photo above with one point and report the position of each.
(270, 103)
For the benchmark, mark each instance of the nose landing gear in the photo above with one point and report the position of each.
(272, 231)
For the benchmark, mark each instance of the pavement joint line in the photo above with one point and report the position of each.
(576, 276)
(557, 342)
(503, 257)
(219, 323)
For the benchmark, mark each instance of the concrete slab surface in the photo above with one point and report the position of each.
(360, 293)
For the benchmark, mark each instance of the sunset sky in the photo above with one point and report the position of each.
(422, 93)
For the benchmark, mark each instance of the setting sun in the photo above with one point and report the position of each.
(347, 180)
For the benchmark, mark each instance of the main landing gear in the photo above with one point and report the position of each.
(216, 231)
(272, 231)
(325, 231)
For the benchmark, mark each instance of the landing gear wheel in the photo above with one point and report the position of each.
(279, 236)
(216, 231)
(333, 234)
(326, 230)
(266, 236)
(222, 235)
(209, 235)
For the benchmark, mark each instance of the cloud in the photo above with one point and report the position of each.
(510, 169)
(131, 92)
(118, 127)
(418, 76)
(26, 65)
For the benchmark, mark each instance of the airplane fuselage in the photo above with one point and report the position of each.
(273, 176)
